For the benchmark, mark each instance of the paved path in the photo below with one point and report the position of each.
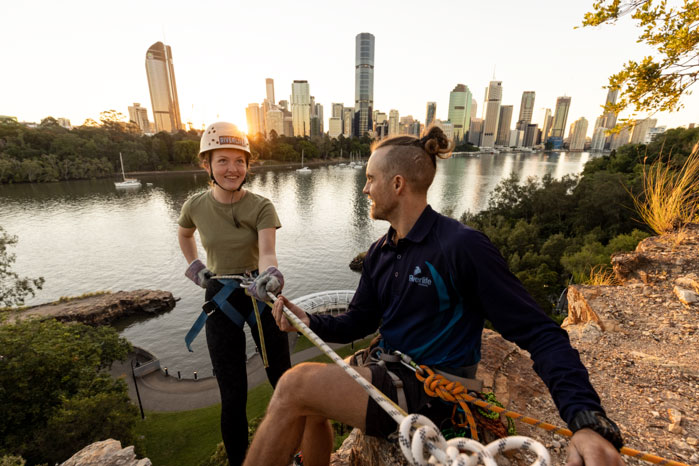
(161, 393)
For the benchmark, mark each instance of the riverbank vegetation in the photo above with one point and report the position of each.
(554, 232)
(51, 152)
(56, 396)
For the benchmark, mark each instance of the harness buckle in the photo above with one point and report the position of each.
(209, 307)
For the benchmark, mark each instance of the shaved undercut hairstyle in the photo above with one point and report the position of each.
(415, 159)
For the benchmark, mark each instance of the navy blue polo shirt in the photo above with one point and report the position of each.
(429, 295)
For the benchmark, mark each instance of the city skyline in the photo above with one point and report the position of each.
(220, 70)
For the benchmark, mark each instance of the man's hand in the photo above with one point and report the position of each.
(271, 280)
(589, 448)
(198, 273)
(282, 322)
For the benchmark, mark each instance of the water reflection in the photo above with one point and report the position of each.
(84, 236)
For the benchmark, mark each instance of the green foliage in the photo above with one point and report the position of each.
(654, 83)
(52, 153)
(13, 289)
(56, 396)
(10, 460)
(551, 231)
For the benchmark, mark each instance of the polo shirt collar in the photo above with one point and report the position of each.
(419, 231)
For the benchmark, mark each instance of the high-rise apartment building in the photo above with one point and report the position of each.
(641, 129)
(275, 121)
(610, 117)
(531, 135)
(301, 107)
(460, 101)
(504, 125)
(139, 115)
(492, 113)
(347, 121)
(526, 110)
(475, 131)
(619, 139)
(269, 85)
(393, 123)
(253, 115)
(363, 83)
(560, 118)
(578, 134)
(598, 137)
(474, 109)
(163, 89)
(317, 112)
(430, 114)
(334, 127)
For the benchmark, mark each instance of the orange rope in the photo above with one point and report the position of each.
(437, 385)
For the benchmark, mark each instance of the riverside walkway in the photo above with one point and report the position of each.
(168, 393)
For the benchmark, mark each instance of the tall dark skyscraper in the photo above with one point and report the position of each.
(163, 89)
(363, 83)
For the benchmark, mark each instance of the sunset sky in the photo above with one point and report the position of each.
(75, 59)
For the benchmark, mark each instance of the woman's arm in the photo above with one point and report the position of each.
(266, 242)
(188, 244)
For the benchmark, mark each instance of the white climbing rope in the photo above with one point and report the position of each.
(417, 434)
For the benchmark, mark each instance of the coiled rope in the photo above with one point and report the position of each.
(438, 386)
(418, 434)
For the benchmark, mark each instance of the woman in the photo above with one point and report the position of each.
(237, 229)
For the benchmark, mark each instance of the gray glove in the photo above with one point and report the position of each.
(198, 273)
(271, 280)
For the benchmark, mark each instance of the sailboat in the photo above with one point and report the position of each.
(128, 183)
(303, 169)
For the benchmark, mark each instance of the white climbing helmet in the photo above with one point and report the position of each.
(223, 135)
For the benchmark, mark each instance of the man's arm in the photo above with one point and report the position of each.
(514, 313)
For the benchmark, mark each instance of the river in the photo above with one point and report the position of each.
(85, 236)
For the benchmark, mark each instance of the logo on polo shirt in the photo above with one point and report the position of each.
(421, 281)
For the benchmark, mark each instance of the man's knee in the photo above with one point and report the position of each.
(296, 384)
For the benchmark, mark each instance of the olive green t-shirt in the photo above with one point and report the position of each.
(229, 249)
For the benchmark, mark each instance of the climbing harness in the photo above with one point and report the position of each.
(418, 434)
(220, 301)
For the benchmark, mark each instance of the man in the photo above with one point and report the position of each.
(429, 284)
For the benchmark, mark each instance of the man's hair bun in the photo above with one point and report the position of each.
(436, 143)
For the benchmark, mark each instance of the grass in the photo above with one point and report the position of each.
(66, 299)
(302, 343)
(670, 198)
(188, 438)
(601, 275)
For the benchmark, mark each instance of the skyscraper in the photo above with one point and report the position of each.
(163, 89)
(545, 120)
(347, 121)
(269, 84)
(430, 114)
(560, 117)
(526, 110)
(492, 113)
(504, 124)
(139, 115)
(393, 123)
(610, 117)
(301, 108)
(253, 117)
(475, 131)
(641, 129)
(460, 110)
(363, 83)
(578, 134)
